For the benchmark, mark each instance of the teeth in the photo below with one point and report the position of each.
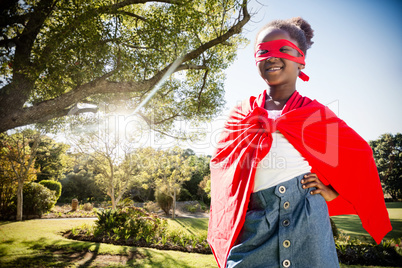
(274, 69)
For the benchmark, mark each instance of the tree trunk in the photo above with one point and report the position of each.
(112, 197)
(174, 203)
(20, 200)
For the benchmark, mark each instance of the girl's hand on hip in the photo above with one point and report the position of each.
(327, 191)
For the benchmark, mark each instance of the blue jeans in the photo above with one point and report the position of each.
(285, 226)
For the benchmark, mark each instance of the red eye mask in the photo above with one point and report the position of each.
(273, 48)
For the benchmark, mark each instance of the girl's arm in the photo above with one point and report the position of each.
(327, 191)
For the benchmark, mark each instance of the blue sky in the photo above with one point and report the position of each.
(355, 63)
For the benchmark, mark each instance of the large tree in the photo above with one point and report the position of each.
(387, 150)
(58, 54)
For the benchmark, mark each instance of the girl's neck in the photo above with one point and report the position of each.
(276, 98)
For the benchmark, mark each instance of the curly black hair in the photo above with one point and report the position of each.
(298, 29)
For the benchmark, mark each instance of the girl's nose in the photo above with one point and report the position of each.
(272, 59)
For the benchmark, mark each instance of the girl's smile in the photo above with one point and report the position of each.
(278, 71)
(274, 68)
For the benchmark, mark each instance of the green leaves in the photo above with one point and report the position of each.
(387, 151)
(97, 51)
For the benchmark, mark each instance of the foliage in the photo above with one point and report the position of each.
(17, 159)
(335, 231)
(363, 253)
(133, 226)
(126, 202)
(8, 189)
(17, 156)
(204, 188)
(164, 201)
(87, 207)
(52, 185)
(168, 169)
(112, 164)
(24, 157)
(151, 206)
(51, 159)
(37, 199)
(387, 152)
(129, 223)
(45, 247)
(80, 184)
(143, 187)
(194, 206)
(201, 169)
(185, 195)
(56, 55)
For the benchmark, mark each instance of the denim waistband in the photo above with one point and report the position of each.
(269, 197)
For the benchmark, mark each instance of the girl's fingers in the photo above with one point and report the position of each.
(318, 191)
(309, 178)
(310, 184)
(311, 175)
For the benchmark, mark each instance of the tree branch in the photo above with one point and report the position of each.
(131, 15)
(235, 29)
(53, 108)
(131, 2)
(190, 66)
(151, 122)
(204, 82)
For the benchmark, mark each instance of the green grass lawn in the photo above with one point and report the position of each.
(38, 243)
(352, 226)
(189, 225)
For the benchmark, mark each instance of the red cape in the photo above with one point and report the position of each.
(336, 153)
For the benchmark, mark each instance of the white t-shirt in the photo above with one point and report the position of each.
(282, 163)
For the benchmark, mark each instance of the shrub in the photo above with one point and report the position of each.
(151, 207)
(192, 207)
(134, 226)
(185, 195)
(126, 202)
(335, 231)
(8, 188)
(37, 199)
(164, 201)
(87, 207)
(81, 186)
(129, 223)
(357, 253)
(52, 185)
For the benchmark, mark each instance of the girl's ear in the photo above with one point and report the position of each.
(301, 66)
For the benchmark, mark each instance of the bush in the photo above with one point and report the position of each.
(37, 199)
(185, 195)
(87, 207)
(129, 223)
(126, 202)
(8, 188)
(357, 253)
(134, 226)
(52, 185)
(151, 207)
(335, 231)
(80, 186)
(164, 201)
(192, 206)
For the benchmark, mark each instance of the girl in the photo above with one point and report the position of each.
(283, 164)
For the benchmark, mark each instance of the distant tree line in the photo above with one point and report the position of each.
(387, 150)
(98, 173)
